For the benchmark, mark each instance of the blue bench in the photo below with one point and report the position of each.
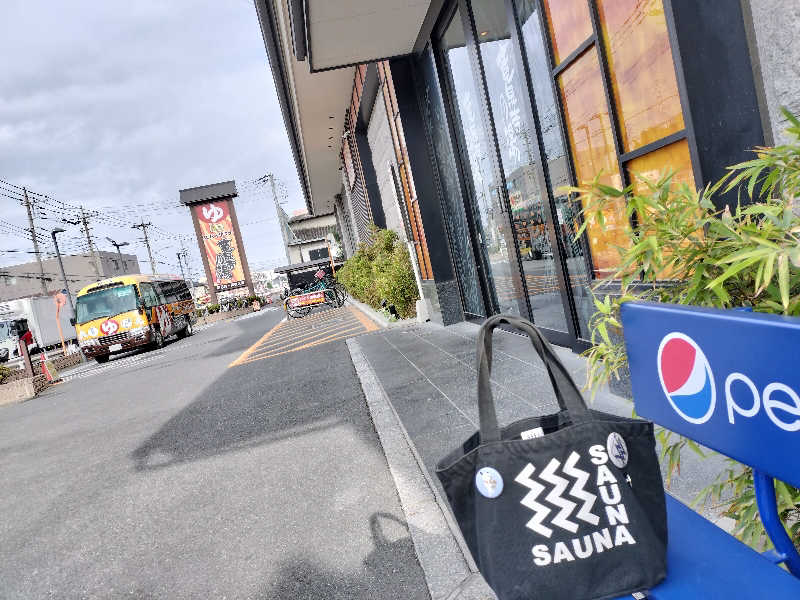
(729, 380)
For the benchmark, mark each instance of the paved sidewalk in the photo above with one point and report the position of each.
(426, 373)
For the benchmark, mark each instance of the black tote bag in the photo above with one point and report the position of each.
(567, 506)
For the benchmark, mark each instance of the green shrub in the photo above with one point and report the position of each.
(5, 372)
(685, 251)
(212, 308)
(380, 270)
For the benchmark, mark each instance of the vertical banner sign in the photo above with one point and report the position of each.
(219, 242)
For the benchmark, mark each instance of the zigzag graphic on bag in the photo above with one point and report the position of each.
(556, 496)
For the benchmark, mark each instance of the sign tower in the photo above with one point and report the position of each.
(218, 237)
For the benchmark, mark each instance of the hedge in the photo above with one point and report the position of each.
(381, 270)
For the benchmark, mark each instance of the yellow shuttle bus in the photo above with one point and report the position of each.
(126, 312)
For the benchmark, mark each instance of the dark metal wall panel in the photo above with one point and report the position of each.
(416, 141)
(719, 86)
(373, 193)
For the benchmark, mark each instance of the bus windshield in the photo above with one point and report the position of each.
(105, 303)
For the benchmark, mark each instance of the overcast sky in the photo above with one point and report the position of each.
(118, 104)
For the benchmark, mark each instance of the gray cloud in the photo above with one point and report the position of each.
(123, 103)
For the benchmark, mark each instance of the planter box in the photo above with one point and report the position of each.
(22, 389)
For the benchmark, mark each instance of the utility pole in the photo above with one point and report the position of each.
(180, 264)
(281, 214)
(185, 254)
(143, 226)
(34, 240)
(84, 223)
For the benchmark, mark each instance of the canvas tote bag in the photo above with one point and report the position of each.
(567, 506)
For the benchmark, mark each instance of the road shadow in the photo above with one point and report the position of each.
(389, 572)
(262, 402)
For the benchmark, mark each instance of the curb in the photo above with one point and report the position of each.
(378, 317)
(450, 571)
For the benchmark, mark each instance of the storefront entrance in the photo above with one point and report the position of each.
(536, 95)
(525, 243)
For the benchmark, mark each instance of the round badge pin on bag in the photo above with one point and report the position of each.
(617, 450)
(489, 482)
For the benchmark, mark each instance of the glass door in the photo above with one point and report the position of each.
(521, 164)
(501, 152)
(488, 204)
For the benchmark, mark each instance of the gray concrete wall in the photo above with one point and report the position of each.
(19, 281)
(380, 142)
(776, 28)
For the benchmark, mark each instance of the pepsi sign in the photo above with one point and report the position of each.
(686, 377)
(725, 378)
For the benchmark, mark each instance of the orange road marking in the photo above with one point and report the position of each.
(365, 320)
(319, 342)
(314, 330)
(252, 348)
(272, 346)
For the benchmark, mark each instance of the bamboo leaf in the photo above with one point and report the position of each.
(783, 279)
(731, 271)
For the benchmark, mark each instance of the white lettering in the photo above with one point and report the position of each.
(602, 540)
(615, 498)
(617, 514)
(598, 454)
(561, 553)
(582, 551)
(604, 475)
(732, 406)
(623, 536)
(770, 404)
(583, 547)
(541, 555)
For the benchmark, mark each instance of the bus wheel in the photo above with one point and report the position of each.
(101, 358)
(158, 340)
(186, 331)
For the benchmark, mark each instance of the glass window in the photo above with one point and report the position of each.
(673, 157)
(555, 153)
(148, 295)
(105, 303)
(641, 69)
(462, 253)
(518, 142)
(569, 25)
(494, 238)
(318, 254)
(593, 152)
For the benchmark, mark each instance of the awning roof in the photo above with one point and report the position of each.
(315, 92)
(349, 32)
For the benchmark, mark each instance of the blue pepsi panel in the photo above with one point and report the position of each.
(728, 379)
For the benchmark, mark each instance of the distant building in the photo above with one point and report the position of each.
(268, 282)
(310, 232)
(20, 281)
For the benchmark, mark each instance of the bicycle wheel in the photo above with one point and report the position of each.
(331, 298)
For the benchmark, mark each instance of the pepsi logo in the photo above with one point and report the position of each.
(109, 326)
(686, 378)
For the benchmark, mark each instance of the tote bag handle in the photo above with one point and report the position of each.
(567, 393)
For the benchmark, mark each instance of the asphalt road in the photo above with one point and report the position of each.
(178, 476)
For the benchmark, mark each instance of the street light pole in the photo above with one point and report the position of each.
(180, 264)
(61, 266)
(118, 246)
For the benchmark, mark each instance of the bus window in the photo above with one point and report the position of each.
(148, 295)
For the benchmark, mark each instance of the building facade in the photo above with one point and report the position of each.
(21, 281)
(463, 140)
(310, 237)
